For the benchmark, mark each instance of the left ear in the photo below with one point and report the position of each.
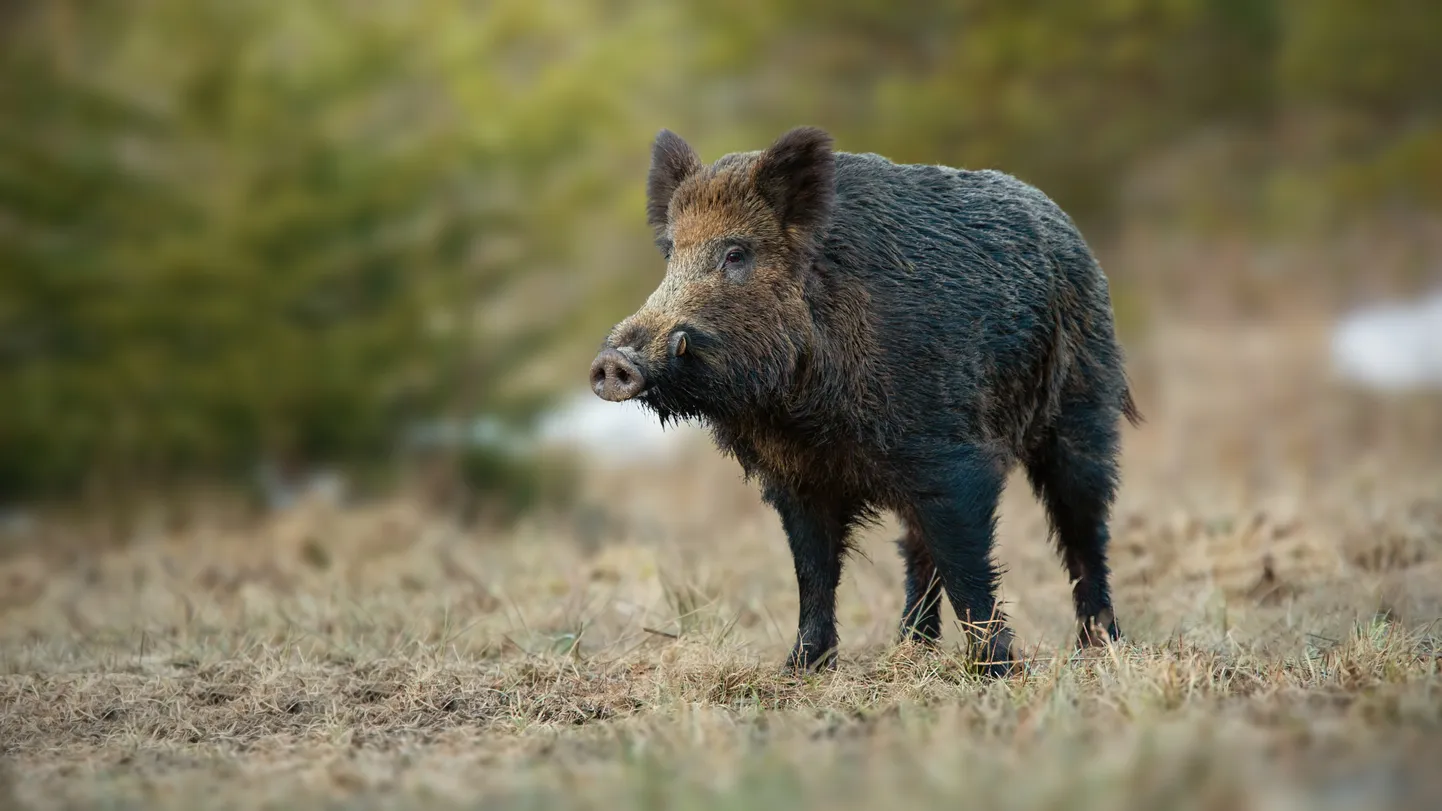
(672, 161)
(797, 177)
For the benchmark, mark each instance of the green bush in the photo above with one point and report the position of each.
(235, 232)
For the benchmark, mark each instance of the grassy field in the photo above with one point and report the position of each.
(1278, 573)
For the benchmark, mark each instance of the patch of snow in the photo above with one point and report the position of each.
(609, 433)
(1391, 347)
(283, 492)
(613, 432)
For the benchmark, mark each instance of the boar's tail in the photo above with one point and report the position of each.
(1129, 408)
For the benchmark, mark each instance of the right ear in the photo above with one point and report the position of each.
(672, 161)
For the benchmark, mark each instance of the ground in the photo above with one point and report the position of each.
(1278, 573)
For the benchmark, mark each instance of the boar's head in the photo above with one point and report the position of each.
(724, 333)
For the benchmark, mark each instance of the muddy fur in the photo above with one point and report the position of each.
(863, 336)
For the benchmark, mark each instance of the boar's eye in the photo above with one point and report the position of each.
(735, 256)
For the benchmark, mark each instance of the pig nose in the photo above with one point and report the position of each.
(614, 377)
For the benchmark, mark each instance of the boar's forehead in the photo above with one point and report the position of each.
(722, 203)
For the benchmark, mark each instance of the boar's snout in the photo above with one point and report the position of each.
(615, 377)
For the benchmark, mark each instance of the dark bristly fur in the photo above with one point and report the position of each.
(864, 336)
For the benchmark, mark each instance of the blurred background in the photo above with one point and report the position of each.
(251, 251)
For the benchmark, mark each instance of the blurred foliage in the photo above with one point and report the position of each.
(499, 486)
(1063, 94)
(267, 231)
(242, 231)
(1336, 100)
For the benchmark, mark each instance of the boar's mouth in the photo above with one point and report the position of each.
(676, 383)
(688, 372)
(679, 378)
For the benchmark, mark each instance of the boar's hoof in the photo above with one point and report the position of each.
(997, 659)
(614, 377)
(1095, 632)
(994, 669)
(809, 661)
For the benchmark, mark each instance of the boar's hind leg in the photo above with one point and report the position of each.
(921, 618)
(818, 529)
(956, 512)
(1074, 472)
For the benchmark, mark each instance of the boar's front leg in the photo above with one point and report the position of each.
(817, 528)
(954, 505)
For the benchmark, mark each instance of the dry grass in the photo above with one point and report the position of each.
(1278, 563)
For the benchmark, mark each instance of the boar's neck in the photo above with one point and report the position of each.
(831, 405)
(837, 375)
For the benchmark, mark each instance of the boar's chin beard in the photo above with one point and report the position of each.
(709, 393)
(674, 402)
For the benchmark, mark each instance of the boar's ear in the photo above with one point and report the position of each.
(797, 176)
(672, 161)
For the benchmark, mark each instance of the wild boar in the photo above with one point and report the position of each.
(862, 335)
